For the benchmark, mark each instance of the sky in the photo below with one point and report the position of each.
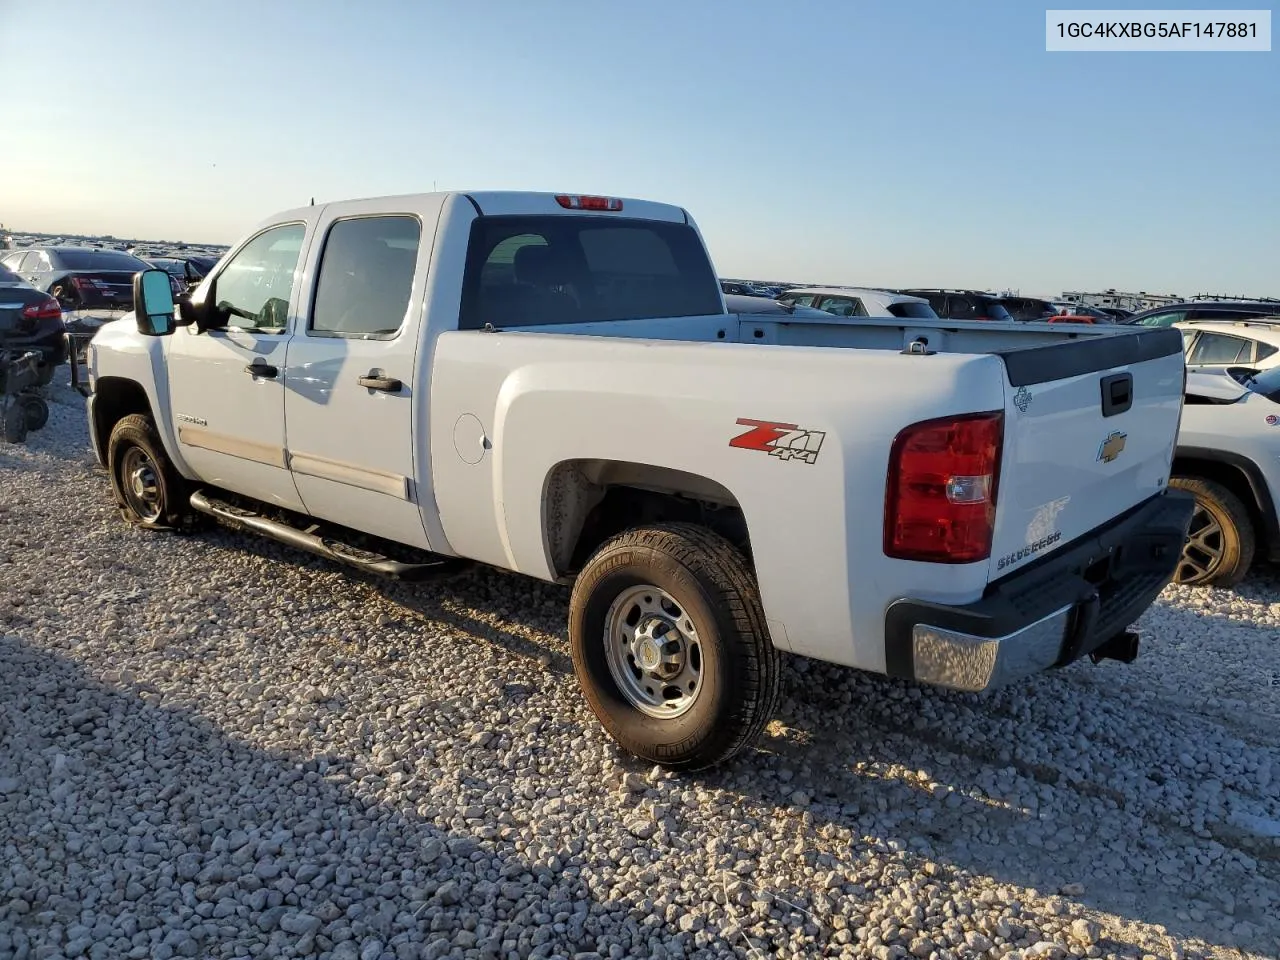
(875, 143)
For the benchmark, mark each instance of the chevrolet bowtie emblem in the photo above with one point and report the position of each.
(1111, 447)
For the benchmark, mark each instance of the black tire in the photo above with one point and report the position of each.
(37, 412)
(1221, 541)
(14, 415)
(171, 509)
(715, 589)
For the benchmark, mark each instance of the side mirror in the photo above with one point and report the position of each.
(153, 303)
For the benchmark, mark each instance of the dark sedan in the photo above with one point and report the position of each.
(31, 320)
(79, 278)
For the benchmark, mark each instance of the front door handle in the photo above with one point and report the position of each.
(375, 382)
(260, 368)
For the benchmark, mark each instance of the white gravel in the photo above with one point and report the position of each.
(212, 747)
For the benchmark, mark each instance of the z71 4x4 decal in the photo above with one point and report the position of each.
(786, 441)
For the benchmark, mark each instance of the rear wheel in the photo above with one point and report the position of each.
(148, 490)
(1220, 542)
(670, 645)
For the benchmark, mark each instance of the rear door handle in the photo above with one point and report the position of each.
(260, 368)
(375, 382)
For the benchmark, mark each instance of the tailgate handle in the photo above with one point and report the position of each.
(1117, 393)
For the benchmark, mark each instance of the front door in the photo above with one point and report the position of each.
(350, 403)
(227, 384)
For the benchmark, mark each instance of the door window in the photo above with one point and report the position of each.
(253, 290)
(366, 274)
(843, 306)
(959, 308)
(801, 299)
(1218, 348)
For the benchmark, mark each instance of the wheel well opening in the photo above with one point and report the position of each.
(114, 399)
(586, 502)
(1231, 477)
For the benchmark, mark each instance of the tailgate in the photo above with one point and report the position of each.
(1090, 427)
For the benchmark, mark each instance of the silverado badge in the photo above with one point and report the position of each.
(1111, 447)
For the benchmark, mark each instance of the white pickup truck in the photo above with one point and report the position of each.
(551, 384)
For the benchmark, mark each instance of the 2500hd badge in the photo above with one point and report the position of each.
(1029, 550)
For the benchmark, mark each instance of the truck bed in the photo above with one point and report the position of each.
(875, 333)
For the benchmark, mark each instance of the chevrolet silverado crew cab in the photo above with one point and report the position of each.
(551, 384)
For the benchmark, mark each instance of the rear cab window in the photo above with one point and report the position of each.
(539, 270)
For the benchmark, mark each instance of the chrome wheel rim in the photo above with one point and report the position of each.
(653, 652)
(1204, 548)
(141, 483)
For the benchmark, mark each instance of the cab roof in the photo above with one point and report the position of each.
(516, 203)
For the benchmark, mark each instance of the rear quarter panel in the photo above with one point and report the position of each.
(519, 404)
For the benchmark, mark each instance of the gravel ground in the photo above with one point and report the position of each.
(211, 747)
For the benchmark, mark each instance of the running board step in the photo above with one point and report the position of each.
(240, 518)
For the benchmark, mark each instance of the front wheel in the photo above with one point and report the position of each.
(670, 646)
(1220, 541)
(148, 490)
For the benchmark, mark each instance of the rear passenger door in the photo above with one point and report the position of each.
(351, 408)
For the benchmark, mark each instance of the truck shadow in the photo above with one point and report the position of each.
(218, 837)
(1059, 781)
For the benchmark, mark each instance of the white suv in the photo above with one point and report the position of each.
(859, 302)
(1251, 343)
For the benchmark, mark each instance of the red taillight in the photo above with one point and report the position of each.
(940, 503)
(1065, 319)
(46, 309)
(84, 283)
(610, 204)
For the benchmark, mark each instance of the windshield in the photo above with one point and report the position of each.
(534, 270)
